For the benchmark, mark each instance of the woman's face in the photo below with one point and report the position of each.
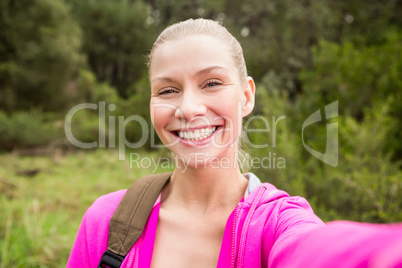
(198, 101)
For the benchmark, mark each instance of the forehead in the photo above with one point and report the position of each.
(189, 55)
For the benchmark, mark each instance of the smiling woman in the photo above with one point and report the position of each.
(202, 97)
(209, 214)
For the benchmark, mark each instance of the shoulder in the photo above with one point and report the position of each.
(275, 199)
(289, 209)
(108, 201)
(280, 211)
(92, 236)
(103, 207)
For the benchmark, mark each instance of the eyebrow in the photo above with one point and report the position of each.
(163, 79)
(198, 73)
(209, 69)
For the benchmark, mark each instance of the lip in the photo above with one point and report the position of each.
(198, 142)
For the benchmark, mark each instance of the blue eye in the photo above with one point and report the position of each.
(212, 83)
(166, 91)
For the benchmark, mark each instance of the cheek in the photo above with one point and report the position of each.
(160, 116)
(230, 106)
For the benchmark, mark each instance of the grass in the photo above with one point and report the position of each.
(43, 199)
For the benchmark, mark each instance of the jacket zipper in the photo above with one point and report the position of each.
(242, 246)
(232, 261)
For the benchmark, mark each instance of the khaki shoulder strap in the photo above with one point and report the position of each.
(128, 221)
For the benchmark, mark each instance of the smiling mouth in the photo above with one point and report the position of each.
(196, 135)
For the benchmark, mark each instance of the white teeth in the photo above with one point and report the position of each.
(196, 135)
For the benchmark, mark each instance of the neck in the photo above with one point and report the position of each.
(206, 189)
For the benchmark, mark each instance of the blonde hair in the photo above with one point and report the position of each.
(211, 28)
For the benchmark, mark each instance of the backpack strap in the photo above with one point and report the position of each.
(130, 217)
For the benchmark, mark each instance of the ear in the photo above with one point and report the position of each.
(248, 97)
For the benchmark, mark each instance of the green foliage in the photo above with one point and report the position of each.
(106, 119)
(116, 38)
(283, 140)
(137, 104)
(39, 51)
(348, 20)
(359, 78)
(85, 125)
(366, 185)
(27, 129)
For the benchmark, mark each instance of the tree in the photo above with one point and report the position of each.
(117, 36)
(359, 77)
(39, 51)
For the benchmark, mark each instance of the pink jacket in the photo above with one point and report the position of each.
(267, 229)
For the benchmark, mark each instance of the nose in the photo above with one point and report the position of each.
(191, 106)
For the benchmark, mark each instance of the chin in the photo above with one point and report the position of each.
(202, 160)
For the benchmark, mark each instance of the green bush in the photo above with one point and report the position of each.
(87, 122)
(366, 184)
(115, 45)
(358, 77)
(39, 52)
(27, 129)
